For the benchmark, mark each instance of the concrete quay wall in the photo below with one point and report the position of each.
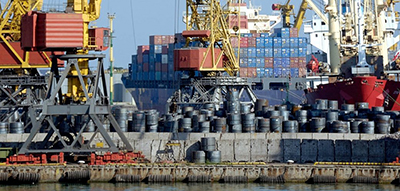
(251, 147)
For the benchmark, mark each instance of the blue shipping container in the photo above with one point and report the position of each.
(145, 58)
(243, 52)
(158, 75)
(152, 67)
(285, 62)
(139, 76)
(294, 72)
(158, 58)
(269, 72)
(243, 62)
(285, 43)
(152, 75)
(294, 42)
(269, 52)
(302, 42)
(260, 42)
(264, 35)
(164, 76)
(251, 62)
(134, 59)
(260, 52)
(277, 52)
(145, 76)
(277, 72)
(277, 32)
(294, 52)
(260, 72)
(302, 52)
(277, 42)
(285, 52)
(269, 42)
(260, 62)
(277, 62)
(152, 58)
(285, 72)
(285, 32)
(251, 52)
(155, 49)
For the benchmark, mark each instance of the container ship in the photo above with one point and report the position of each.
(273, 59)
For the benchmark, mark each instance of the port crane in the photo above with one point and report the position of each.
(212, 54)
(62, 115)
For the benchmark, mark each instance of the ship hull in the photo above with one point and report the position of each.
(370, 89)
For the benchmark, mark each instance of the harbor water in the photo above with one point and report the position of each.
(199, 187)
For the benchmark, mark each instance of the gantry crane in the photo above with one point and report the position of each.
(63, 115)
(206, 26)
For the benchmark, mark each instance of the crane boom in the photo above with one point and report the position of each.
(302, 10)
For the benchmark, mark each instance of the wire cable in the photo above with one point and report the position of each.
(133, 25)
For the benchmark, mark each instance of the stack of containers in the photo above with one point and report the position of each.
(279, 55)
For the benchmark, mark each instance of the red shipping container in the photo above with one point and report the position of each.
(293, 32)
(158, 67)
(164, 68)
(251, 42)
(269, 62)
(294, 62)
(244, 42)
(256, 35)
(45, 31)
(155, 39)
(145, 67)
(36, 59)
(98, 38)
(302, 62)
(252, 72)
(243, 72)
(191, 59)
(233, 21)
(143, 49)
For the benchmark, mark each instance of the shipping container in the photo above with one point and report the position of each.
(302, 62)
(164, 76)
(233, 20)
(191, 59)
(252, 72)
(285, 43)
(257, 35)
(260, 62)
(285, 62)
(134, 59)
(269, 52)
(145, 67)
(302, 52)
(152, 75)
(277, 52)
(264, 35)
(157, 75)
(164, 58)
(277, 72)
(158, 58)
(234, 42)
(285, 72)
(243, 62)
(251, 52)
(277, 62)
(243, 52)
(164, 68)
(164, 49)
(294, 32)
(294, 62)
(140, 68)
(152, 67)
(145, 76)
(285, 52)
(260, 52)
(277, 42)
(269, 72)
(155, 49)
(244, 42)
(269, 42)
(251, 62)
(251, 42)
(260, 72)
(155, 39)
(139, 76)
(294, 72)
(285, 32)
(294, 52)
(243, 72)
(260, 42)
(302, 42)
(294, 42)
(158, 66)
(268, 62)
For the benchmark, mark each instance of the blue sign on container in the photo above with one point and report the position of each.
(294, 42)
(277, 42)
(260, 42)
(260, 52)
(302, 42)
(294, 52)
(269, 42)
(277, 52)
(260, 62)
(251, 52)
(277, 62)
(285, 43)
(269, 52)
(285, 52)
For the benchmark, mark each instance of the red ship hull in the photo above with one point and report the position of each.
(369, 89)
